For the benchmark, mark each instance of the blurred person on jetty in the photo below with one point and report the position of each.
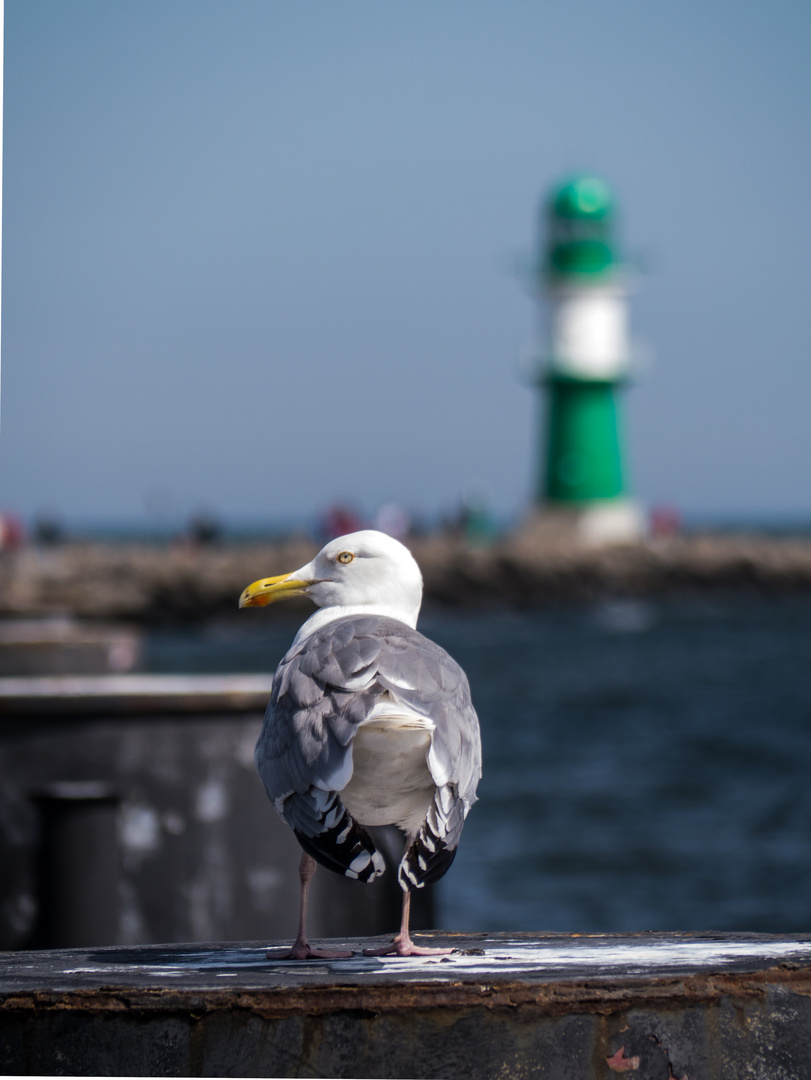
(338, 521)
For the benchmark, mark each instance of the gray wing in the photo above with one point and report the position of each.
(420, 674)
(323, 690)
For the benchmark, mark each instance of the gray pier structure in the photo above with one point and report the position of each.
(131, 813)
(567, 1007)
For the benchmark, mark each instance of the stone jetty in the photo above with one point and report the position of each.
(150, 583)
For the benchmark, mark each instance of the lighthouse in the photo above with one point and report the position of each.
(582, 482)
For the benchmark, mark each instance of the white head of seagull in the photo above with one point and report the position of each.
(364, 572)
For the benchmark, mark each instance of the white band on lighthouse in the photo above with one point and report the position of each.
(588, 333)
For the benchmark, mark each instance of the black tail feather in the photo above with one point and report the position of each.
(345, 849)
(421, 865)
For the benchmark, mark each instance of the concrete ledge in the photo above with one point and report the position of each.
(669, 1006)
(88, 695)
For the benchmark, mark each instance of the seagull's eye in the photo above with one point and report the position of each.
(346, 557)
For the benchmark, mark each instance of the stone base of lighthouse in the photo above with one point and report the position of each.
(598, 523)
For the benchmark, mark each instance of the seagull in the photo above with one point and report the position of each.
(369, 723)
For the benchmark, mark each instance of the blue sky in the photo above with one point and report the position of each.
(263, 256)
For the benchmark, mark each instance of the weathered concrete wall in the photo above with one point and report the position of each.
(657, 1007)
(62, 646)
(201, 854)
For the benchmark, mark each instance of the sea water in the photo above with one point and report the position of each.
(647, 764)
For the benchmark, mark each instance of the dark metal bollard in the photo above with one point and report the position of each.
(78, 873)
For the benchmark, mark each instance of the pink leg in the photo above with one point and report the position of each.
(301, 948)
(402, 944)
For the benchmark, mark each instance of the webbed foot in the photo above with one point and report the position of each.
(405, 947)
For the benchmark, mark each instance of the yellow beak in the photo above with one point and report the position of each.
(270, 589)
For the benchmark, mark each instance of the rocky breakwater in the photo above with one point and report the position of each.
(153, 584)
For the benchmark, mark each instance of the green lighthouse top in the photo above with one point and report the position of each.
(579, 222)
(585, 197)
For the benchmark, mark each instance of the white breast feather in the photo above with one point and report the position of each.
(391, 783)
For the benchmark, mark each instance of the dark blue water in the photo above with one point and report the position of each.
(647, 765)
